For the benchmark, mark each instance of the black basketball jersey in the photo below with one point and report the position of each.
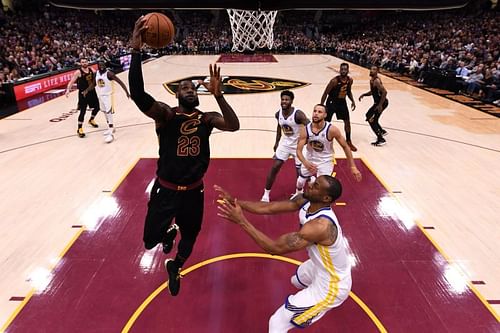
(85, 79)
(340, 91)
(375, 92)
(184, 148)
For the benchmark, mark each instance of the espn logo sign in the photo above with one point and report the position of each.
(31, 88)
(34, 87)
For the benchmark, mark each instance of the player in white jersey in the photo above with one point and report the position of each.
(104, 91)
(318, 159)
(325, 278)
(290, 120)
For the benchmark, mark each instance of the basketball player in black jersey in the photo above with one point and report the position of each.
(183, 135)
(380, 103)
(85, 81)
(335, 93)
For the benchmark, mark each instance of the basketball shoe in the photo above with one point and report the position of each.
(109, 131)
(174, 277)
(93, 123)
(109, 138)
(380, 142)
(169, 240)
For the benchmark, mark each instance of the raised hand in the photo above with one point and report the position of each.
(214, 86)
(223, 194)
(139, 27)
(231, 212)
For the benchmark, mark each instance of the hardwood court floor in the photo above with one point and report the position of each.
(108, 282)
(441, 163)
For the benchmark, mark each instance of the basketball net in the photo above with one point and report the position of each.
(251, 29)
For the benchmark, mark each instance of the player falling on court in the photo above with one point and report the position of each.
(318, 157)
(335, 93)
(325, 278)
(380, 103)
(183, 135)
(290, 120)
(85, 82)
(104, 89)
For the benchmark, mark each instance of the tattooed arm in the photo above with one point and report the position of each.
(318, 231)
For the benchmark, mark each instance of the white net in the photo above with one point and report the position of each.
(252, 29)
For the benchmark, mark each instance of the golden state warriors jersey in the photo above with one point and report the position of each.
(289, 128)
(319, 148)
(103, 84)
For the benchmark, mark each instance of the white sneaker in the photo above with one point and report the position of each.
(109, 138)
(265, 198)
(109, 131)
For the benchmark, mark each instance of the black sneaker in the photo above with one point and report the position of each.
(379, 142)
(174, 277)
(80, 133)
(93, 123)
(384, 132)
(169, 240)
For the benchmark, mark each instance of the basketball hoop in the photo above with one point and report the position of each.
(252, 29)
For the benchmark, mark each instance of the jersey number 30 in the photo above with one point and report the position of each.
(188, 146)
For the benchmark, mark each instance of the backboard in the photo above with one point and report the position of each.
(263, 5)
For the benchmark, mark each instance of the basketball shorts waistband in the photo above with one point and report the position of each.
(177, 187)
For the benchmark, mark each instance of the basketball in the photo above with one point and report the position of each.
(160, 30)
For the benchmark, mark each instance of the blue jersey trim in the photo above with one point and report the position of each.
(298, 279)
(319, 210)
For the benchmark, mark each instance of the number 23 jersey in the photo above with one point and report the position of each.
(184, 147)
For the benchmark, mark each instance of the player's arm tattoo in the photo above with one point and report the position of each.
(332, 232)
(294, 241)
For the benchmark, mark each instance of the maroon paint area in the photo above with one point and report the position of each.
(105, 275)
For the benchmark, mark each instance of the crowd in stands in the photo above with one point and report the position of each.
(39, 40)
(446, 50)
(456, 49)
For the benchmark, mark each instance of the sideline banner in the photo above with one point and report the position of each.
(34, 87)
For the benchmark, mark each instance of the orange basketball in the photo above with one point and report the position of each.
(160, 30)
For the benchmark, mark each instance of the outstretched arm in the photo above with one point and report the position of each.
(300, 147)
(90, 87)
(329, 87)
(112, 76)
(278, 131)
(259, 207)
(147, 104)
(315, 231)
(383, 94)
(229, 121)
(75, 77)
(349, 94)
(369, 93)
(334, 132)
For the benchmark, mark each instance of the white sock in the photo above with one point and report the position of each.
(301, 181)
(109, 118)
